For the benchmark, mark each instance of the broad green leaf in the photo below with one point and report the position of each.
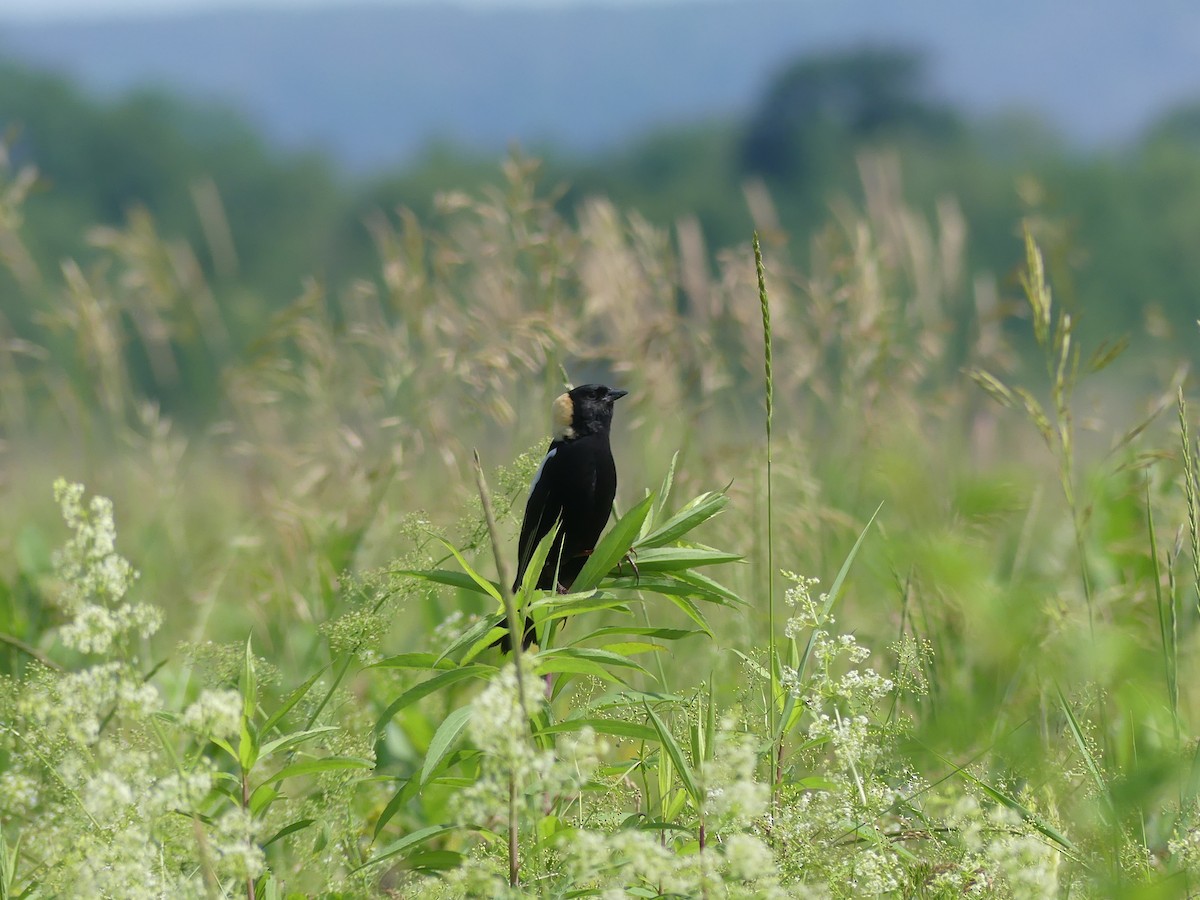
(247, 745)
(288, 741)
(614, 727)
(434, 860)
(444, 739)
(575, 667)
(613, 546)
(427, 687)
(667, 742)
(406, 792)
(262, 796)
(413, 661)
(603, 657)
(410, 840)
(488, 586)
(471, 636)
(696, 512)
(663, 634)
(537, 561)
(672, 559)
(630, 648)
(451, 578)
(706, 585)
(673, 584)
(317, 766)
(298, 825)
(693, 612)
(554, 609)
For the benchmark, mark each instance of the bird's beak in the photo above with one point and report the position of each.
(615, 395)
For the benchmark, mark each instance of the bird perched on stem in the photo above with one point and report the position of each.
(574, 485)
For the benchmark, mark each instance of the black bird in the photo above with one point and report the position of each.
(576, 483)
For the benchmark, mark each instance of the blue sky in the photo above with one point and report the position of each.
(92, 9)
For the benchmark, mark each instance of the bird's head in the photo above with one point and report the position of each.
(587, 409)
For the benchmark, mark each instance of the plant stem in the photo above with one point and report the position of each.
(776, 751)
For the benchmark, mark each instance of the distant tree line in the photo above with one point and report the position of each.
(1127, 218)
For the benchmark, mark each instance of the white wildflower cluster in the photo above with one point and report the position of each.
(91, 779)
(738, 866)
(215, 714)
(1185, 848)
(808, 610)
(95, 578)
(991, 852)
(856, 690)
(734, 796)
(499, 729)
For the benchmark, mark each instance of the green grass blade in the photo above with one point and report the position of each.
(613, 546)
(444, 739)
(667, 741)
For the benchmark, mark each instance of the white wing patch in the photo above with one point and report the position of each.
(538, 474)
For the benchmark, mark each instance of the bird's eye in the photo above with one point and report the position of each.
(600, 393)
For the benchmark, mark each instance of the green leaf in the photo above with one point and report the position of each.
(693, 613)
(562, 606)
(613, 546)
(451, 578)
(630, 648)
(263, 796)
(834, 592)
(413, 661)
(317, 766)
(708, 587)
(247, 745)
(537, 561)
(298, 825)
(665, 491)
(575, 667)
(694, 513)
(407, 791)
(472, 635)
(667, 742)
(672, 559)
(615, 727)
(603, 657)
(444, 739)
(288, 741)
(411, 840)
(427, 687)
(292, 699)
(488, 586)
(663, 634)
(675, 583)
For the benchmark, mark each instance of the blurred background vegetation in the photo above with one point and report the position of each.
(277, 367)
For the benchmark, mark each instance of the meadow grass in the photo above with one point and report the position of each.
(275, 677)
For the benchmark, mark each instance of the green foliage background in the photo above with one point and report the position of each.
(290, 459)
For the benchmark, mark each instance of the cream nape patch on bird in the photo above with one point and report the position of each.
(564, 413)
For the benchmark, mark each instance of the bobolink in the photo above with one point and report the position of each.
(576, 483)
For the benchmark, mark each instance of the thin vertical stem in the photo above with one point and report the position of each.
(516, 635)
(776, 738)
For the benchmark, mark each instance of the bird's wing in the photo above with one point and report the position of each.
(542, 510)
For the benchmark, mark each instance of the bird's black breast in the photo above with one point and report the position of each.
(577, 483)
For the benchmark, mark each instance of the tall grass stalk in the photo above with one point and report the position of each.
(1189, 487)
(772, 666)
(516, 631)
